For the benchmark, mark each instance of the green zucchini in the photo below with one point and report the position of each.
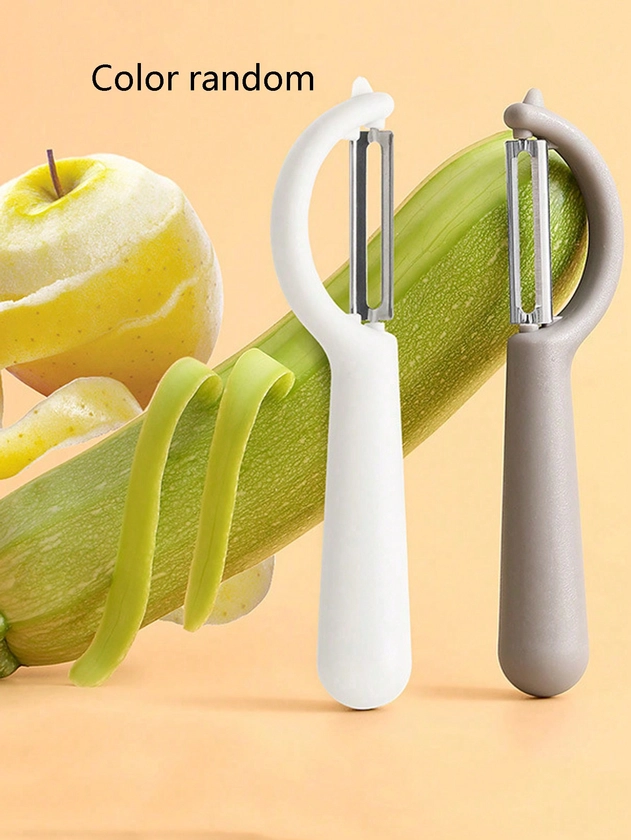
(59, 533)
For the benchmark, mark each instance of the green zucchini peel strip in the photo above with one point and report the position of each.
(252, 378)
(127, 597)
(254, 375)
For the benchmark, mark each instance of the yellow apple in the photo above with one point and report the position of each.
(117, 277)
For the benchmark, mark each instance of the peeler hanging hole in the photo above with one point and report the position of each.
(526, 233)
(373, 220)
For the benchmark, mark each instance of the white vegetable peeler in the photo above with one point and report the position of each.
(543, 644)
(364, 649)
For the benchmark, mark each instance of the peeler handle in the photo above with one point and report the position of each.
(364, 649)
(543, 643)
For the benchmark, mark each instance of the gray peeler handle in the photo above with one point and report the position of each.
(543, 641)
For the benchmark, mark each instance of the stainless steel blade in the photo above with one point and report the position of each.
(358, 234)
(542, 313)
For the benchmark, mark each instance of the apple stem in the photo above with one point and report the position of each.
(54, 174)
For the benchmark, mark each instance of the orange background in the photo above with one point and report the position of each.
(227, 734)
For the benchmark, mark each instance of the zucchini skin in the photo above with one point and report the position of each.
(59, 533)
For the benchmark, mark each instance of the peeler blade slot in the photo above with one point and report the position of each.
(537, 149)
(358, 264)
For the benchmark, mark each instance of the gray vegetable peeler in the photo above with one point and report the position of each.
(543, 643)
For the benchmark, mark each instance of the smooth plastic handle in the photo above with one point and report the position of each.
(543, 642)
(364, 648)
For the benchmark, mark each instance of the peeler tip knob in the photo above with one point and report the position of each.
(534, 97)
(361, 85)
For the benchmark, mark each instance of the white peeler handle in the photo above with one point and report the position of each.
(364, 649)
(543, 643)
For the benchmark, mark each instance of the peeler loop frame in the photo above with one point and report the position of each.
(290, 214)
(604, 217)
